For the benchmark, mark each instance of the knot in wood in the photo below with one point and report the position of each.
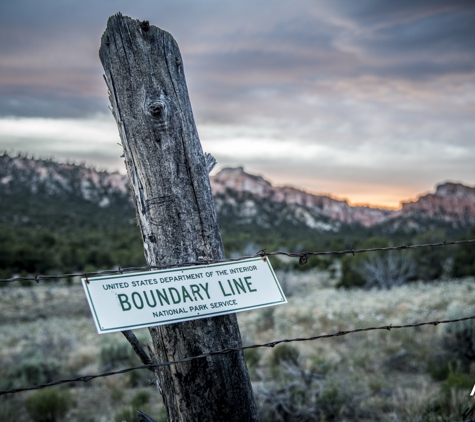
(145, 26)
(157, 109)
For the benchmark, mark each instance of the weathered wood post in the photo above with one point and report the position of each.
(175, 208)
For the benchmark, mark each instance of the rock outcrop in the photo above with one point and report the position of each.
(452, 203)
(47, 177)
(250, 199)
(238, 180)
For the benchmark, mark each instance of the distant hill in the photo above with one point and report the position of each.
(452, 206)
(241, 199)
(59, 218)
(65, 182)
(39, 193)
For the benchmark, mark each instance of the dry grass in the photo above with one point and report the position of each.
(389, 368)
(381, 375)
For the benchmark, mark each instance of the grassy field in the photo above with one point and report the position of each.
(415, 374)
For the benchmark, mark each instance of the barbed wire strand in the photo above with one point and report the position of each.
(303, 257)
(86, 378)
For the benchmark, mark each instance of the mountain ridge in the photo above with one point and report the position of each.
(452, 204)
(237, 179)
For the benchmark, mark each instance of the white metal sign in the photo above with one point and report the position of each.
(138, 300)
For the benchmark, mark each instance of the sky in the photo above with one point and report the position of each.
(370, 101)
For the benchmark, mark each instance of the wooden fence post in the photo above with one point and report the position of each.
(175, 209)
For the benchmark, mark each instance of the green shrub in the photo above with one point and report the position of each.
(464, 260)
(350, 277)
(332, 399)
(460, 336)
(284, 353)
(439, 371)
(266, 319)
(35, 370)
(458, 379)
(140, 399)
(116, 394)
(350, 265)
(9, 406)
(299, 394)
(162, 414)
(430, 262)
(115, 354)
(48, 405)
(453, 401)
(127, 414)
(252, 357)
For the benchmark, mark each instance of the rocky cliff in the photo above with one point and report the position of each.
(238, 180)
(452, 204)
(49, 178)
(244, 198)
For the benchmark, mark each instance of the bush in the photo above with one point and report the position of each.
(439, 370)
(460, 338)
(430, 262)
(381, 269)
(266, 319)
(252, 357)
(9, 406)
(458, 379)
(284, 353)
(304, 395)
(140, 399)
(35, 370)
(115, 354)
(386, 270)
(127, 414)
(464, 259)
(48, 405)
(332, 399)
(350, 277)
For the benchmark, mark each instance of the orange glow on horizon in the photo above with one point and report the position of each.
(357, 194)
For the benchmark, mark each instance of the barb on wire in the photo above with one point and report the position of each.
(302, 256)
(86, 378)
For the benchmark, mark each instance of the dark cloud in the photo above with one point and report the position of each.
(409, 39)
(370, 12)
(233, 50)
(24, 105)
(444, 33)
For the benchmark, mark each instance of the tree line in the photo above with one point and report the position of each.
(26, 250)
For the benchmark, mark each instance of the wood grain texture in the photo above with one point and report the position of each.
(175, 210)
